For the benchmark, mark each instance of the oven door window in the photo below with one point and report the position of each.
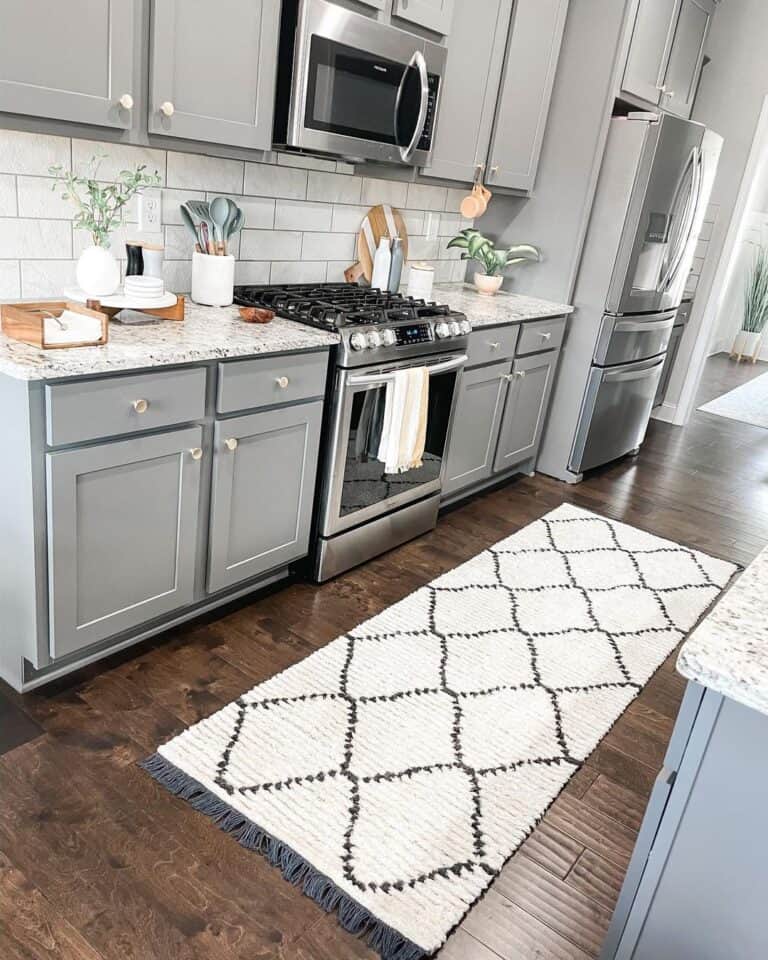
(365, 482)
(355, 94)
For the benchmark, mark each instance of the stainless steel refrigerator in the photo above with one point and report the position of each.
(653, 190)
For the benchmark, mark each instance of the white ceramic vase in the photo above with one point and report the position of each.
(488, 285)
(98, 273)
(746, 344)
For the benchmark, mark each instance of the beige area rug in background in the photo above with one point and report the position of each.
(748, 403)
(391, 774)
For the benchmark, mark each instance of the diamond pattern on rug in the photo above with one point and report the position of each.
(400, 766)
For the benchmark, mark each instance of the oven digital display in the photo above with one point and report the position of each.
(417, 333)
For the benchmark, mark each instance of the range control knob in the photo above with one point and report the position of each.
(357, 341)
(442, 330)
(388, 338)
(455, 328)
(374, 339)
(466, 326)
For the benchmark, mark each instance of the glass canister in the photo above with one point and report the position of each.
(421, 279)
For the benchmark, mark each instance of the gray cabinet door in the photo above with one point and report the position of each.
(213, 70)
(526, 91)
(470, 88)
(649, 48)
(69, 61)
(122, 532)
(525, 409)
(264, 472)
(433, 14)
(475, 426)
(686, 56)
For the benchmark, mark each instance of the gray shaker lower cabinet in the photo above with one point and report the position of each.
(122, 529)
(263, 482)
(525, 409)
(475, 426)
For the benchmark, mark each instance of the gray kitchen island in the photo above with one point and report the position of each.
(697, 885)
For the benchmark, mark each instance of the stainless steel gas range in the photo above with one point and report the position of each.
(364, 511)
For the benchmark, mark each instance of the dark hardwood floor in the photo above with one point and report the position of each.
(99, 863)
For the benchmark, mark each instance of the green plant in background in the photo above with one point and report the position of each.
(756, 294)
(100, 206)
(492, 259)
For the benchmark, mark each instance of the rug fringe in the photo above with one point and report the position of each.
(354, 918)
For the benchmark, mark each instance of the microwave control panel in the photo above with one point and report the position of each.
(426, 138)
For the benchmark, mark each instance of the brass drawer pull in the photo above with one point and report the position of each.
(196, 453)
(282, 382)
(231, 443)
(493, 346)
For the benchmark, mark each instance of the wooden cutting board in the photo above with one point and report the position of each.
(380, 221)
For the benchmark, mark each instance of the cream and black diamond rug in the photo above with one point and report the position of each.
(392, 773)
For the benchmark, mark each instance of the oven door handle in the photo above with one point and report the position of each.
(375, 379)
(417, 61)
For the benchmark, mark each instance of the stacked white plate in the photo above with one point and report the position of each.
(144, 288)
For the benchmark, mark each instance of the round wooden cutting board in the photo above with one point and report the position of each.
(380, 221)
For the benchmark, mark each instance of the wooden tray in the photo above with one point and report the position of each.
(26, 322)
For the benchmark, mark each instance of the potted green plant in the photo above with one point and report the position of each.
(100, 209)
(493, 259)
(755, 315)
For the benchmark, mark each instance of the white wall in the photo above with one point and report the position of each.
(730, 100)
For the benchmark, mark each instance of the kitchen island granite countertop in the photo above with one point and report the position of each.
(218, 333)
(498, 310)
(728, 651)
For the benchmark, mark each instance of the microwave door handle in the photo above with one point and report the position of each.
(381, 378)
(417, 61)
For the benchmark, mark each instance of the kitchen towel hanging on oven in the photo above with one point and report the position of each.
(404, 431)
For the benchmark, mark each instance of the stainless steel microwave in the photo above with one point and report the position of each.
(353, 87)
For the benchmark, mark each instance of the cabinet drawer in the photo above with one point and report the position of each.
(541, 335)
(247, 384)
(90, 409)
(487, 345)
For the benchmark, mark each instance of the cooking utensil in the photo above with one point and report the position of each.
(219, 209)
(190, 222)
(236, 224)
(206, 231)
(231, 215)
(380, 221)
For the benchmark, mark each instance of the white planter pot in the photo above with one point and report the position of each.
(98, 273)
(746, 344)
(488, 285)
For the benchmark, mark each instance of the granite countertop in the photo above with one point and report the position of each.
(728, 651)
(503, 308)
(208, 333)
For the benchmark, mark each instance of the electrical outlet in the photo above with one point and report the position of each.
(149, 211)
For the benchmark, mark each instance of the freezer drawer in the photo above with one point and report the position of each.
(626, 339)
(615, 413)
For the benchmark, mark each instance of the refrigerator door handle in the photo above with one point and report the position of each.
(690, 217)
(635, 326)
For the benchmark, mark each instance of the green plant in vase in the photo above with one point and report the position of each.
(491, 258)
(100, 208)
(755, 314)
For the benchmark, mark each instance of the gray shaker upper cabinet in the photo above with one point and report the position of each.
(69, 61)
(687, 56)
(649, 48)
(523, 104)
(470, 89)
(213, 69)
(435, 15)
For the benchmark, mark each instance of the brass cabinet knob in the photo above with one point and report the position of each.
(519, 373)
(493, 346)
(167, 108)
(545, 336)
(140, 406)
(126, 101)
(231, 443)
(282, 382)
(196, 453)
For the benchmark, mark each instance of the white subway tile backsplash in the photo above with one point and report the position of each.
(178, 243)
(334, 188)
(342, 167)
(384, 191)
(177, 275)
(305, 162)
(116, 157)
(328, 246)
(347, 219)
(194, 172)
(258, 212)
(414, 221)
(39, 239)
(171, 200)
(10, 279)
(252, 271)
(32, 153)
(7, 195)
(268, 180)
(270, 245)
(450, 225)
(304, 272)
(424, 197)
(46, 278)
(419, 248)
(292, 215)
(335, 272)
(453, 199)
(41, 197)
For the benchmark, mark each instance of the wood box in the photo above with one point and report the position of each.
(26, 322)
